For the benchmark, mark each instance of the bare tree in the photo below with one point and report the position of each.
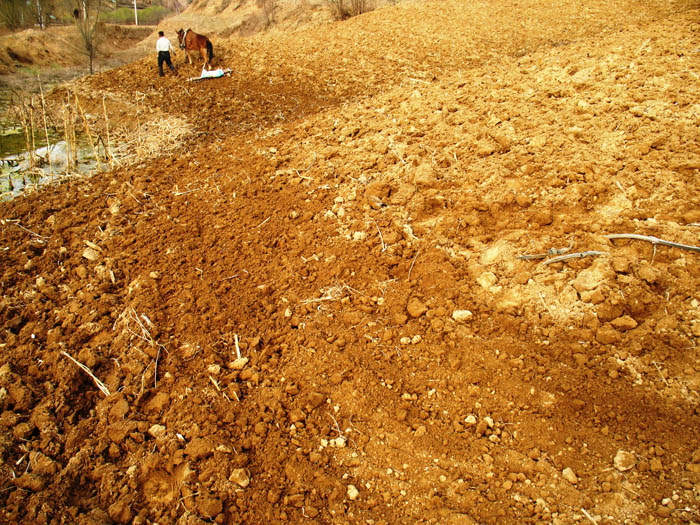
(88, 29)
(269, 7)
(12, 13)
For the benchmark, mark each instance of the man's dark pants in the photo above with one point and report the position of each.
(164, 56)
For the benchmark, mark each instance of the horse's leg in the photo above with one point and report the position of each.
(203, 51)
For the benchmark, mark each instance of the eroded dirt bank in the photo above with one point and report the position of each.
(352, 229)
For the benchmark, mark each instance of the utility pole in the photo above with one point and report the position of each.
(136, 14)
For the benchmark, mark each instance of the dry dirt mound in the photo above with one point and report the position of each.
(315, 310)
(61, 46)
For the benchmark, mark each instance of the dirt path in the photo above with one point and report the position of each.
(347, 216)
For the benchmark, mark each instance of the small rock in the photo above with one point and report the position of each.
(621, 264)
(415, 307)
(359, 236)
(156, 431)
(486, 280)
(624, 460)
(691, 216)
(209, 506)
(569, 476)
(485, 148)
(578, 404)
(470, 420)
(199, 448)
(30, 482)
(655, 465)
(607, 335)
(424, 175)
(462, 316)
(157, 403)
(120, 511)
(543, 217)
(91, 254)
(624, 323)
(353, 493)
(693, 467)
(592, 277)
(240, 476)
(238, 364)
(648, 273)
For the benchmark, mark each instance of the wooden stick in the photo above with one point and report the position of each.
(585, 513)
(46, 129)
(32, 153)
(87, 130)
(578, 255)
(109, 147)
(263, 222)
(551, 251)
(653, 240)
(411, 268)
(99, 383)
(381, 238)
(532, 256)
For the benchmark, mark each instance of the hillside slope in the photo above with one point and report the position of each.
(313, 308)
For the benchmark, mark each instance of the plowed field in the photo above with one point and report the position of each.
(332, 299)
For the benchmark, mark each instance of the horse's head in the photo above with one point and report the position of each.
(181, 38)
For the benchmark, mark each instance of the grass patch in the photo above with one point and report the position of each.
(125, 15)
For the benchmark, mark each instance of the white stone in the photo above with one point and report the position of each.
(486, 280)
(353, 493)
(462, 316)
(569, 475)
(156, 431)
(624, 460)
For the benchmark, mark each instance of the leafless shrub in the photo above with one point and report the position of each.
(12, 13)
(89, 29)
(344, 9)
(268, 8)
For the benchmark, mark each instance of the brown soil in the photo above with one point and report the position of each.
(60, 46)
(344, 198)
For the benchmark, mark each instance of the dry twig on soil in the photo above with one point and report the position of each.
(381, 238)
(654, 240)
(551, 251)
(99, 383)
(411, 268)
(577, 255)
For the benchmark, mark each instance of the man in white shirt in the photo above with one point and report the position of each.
(164, 48)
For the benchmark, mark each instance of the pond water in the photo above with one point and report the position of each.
(16, 173)
(13, 141)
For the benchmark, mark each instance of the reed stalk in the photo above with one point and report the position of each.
(87, 131)
(109, 145)
(46, 129)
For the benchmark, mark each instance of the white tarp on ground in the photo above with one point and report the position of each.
(214, 73)
(57, 154)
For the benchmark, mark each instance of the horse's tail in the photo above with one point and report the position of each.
(210, 50)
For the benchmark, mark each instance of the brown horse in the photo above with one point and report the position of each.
(191, 41)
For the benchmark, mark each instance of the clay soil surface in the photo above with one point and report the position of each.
(311, 306)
